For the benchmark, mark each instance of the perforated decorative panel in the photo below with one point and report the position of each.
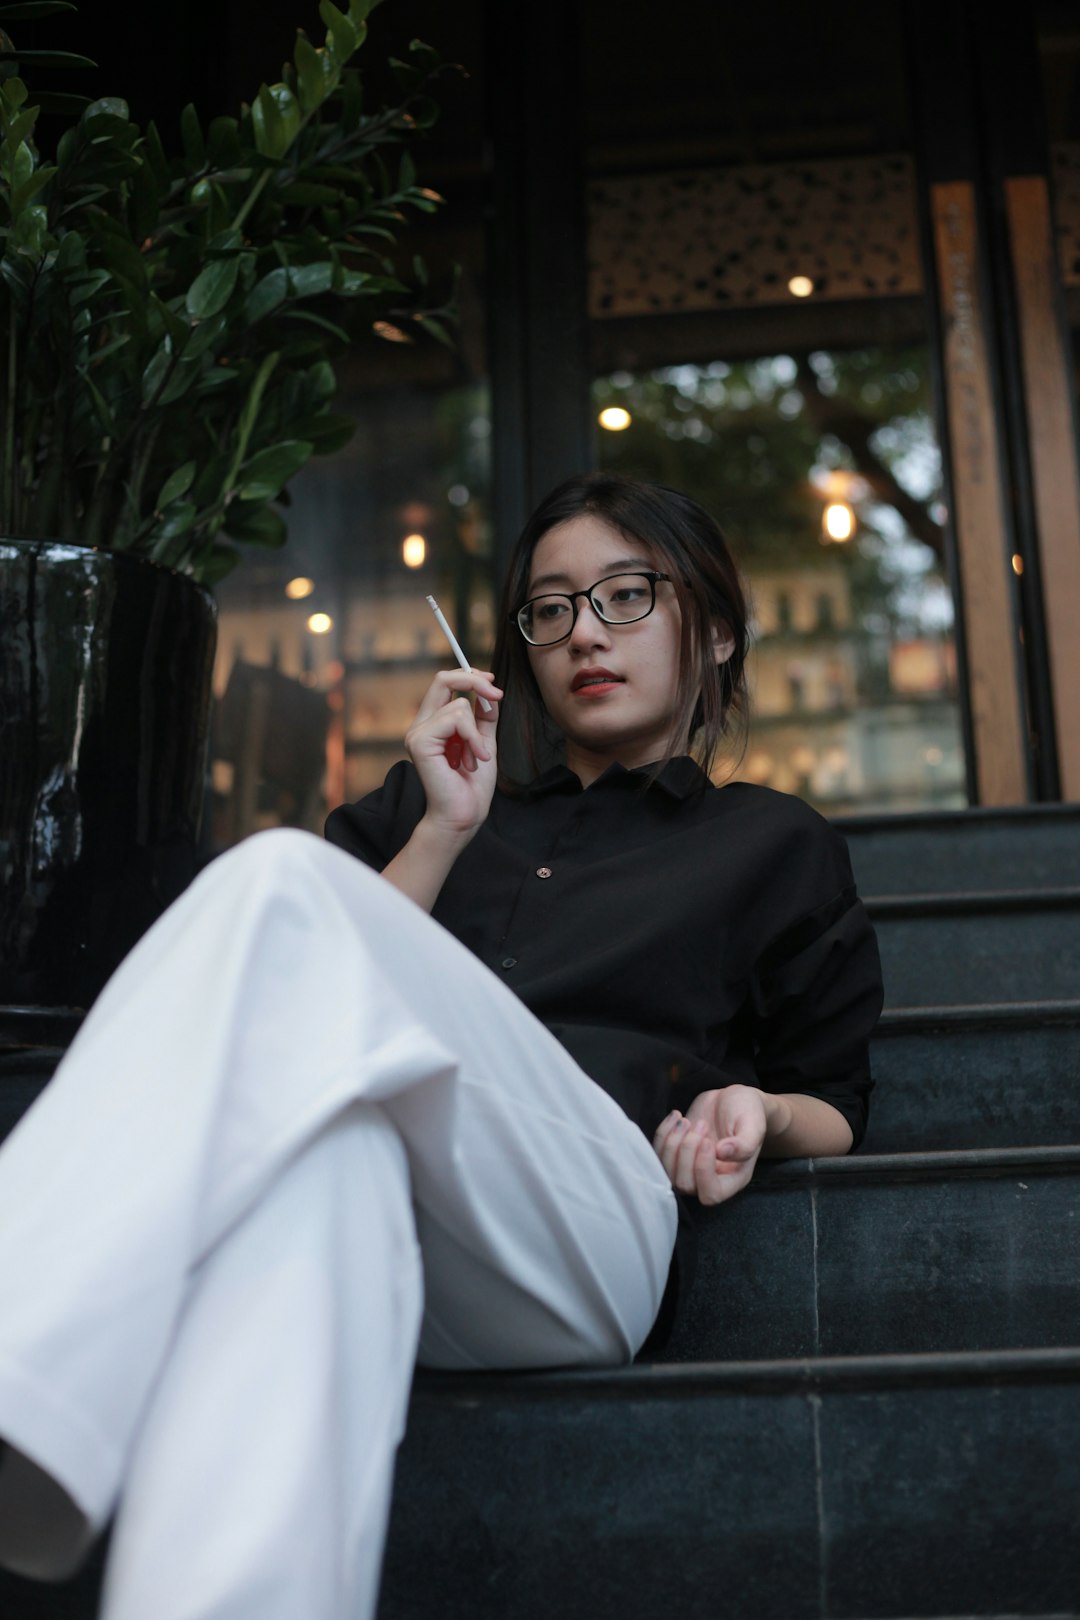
(706, 238)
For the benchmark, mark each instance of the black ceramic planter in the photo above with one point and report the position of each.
(105, 665)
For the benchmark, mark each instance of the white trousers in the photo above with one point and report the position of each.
(303, 1137)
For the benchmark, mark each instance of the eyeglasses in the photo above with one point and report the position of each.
(624, 599)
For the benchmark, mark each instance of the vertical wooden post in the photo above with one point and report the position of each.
(1053, 452)
(994, 674)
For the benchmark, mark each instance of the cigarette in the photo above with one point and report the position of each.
(455, 647)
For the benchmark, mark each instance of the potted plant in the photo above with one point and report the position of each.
(168, 331)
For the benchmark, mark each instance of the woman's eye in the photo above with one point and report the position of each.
(549, 610)
(628, 593)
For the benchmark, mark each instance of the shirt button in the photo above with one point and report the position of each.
(543, 871)
(509, 961)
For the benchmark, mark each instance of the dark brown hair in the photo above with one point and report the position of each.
(710, 700)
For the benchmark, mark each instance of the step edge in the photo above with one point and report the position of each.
(971, 902)
(1004, 814)
(932, 1165)
(810, 1374)
(896, 1020)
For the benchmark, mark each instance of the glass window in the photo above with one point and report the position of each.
(760, 339)
(326, 647)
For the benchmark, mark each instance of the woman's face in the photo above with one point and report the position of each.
(627, 718)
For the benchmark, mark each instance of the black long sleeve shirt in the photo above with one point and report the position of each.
(674, 936)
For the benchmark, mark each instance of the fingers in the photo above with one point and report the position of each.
(449, 682)
(451, 730)
(697, 1163)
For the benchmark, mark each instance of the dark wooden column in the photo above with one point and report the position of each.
(537, 322)
(971, 385)
(1042, 420)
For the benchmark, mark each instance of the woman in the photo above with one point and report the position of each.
(305, 1137)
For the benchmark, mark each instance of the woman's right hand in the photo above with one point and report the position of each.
(453, 750)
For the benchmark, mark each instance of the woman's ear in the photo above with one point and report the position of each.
(722, 641)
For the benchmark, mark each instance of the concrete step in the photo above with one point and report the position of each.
(898, 1253)
(1000, 946)
(892, 1486)
(926, 1487)
(975, 1077)
(942, 851)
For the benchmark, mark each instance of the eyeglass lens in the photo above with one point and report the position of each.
(618, 600)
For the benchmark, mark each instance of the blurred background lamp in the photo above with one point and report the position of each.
(839, 521)
(615, 418)
(1017, 563)
(413, 550)
(320, 623)
(298, 588)
(800, 286)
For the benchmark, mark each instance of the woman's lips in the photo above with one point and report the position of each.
(594, 683)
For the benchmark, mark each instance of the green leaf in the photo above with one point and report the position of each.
(435, 329)
(177, 484)
(48, 59)
(327, 431)
(270, 138)
(175, 520)
(221, 561)
(315, 71)
(256, 525)
(267, 473)
(153, 377)
(266, 296)
(320, 321)
(342, 36)
(223, 148)
(288, 109)
(212, 288)
(28, 10)
(155, 155)
(14, 92)
(61, 103)
(108, 107)
(192, 137)
(304, 194)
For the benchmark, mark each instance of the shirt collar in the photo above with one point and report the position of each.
(679, 778)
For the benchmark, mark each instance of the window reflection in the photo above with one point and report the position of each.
(325, 652)
(853, 669)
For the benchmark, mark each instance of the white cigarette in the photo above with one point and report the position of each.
(455, 647)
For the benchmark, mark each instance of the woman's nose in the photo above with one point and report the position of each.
(589, 629)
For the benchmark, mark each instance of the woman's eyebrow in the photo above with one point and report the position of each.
(614, 567)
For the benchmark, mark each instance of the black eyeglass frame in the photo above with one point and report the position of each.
(653, 576)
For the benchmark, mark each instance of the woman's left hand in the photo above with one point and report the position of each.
(712, 1151)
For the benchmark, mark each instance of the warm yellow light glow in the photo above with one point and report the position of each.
(414, 550)
(839, 521)
(803, 760)
(614, 418)
(320, 623)
(298, 588)
(1018, 563)
(933, 755)
(800, 286)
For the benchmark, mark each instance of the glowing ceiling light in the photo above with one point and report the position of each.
(614, 418)
(839, 521)
(800, 286)
(320, 623)
(414, 550)
(298, 588)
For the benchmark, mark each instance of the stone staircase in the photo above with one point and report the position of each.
(871, 1410)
